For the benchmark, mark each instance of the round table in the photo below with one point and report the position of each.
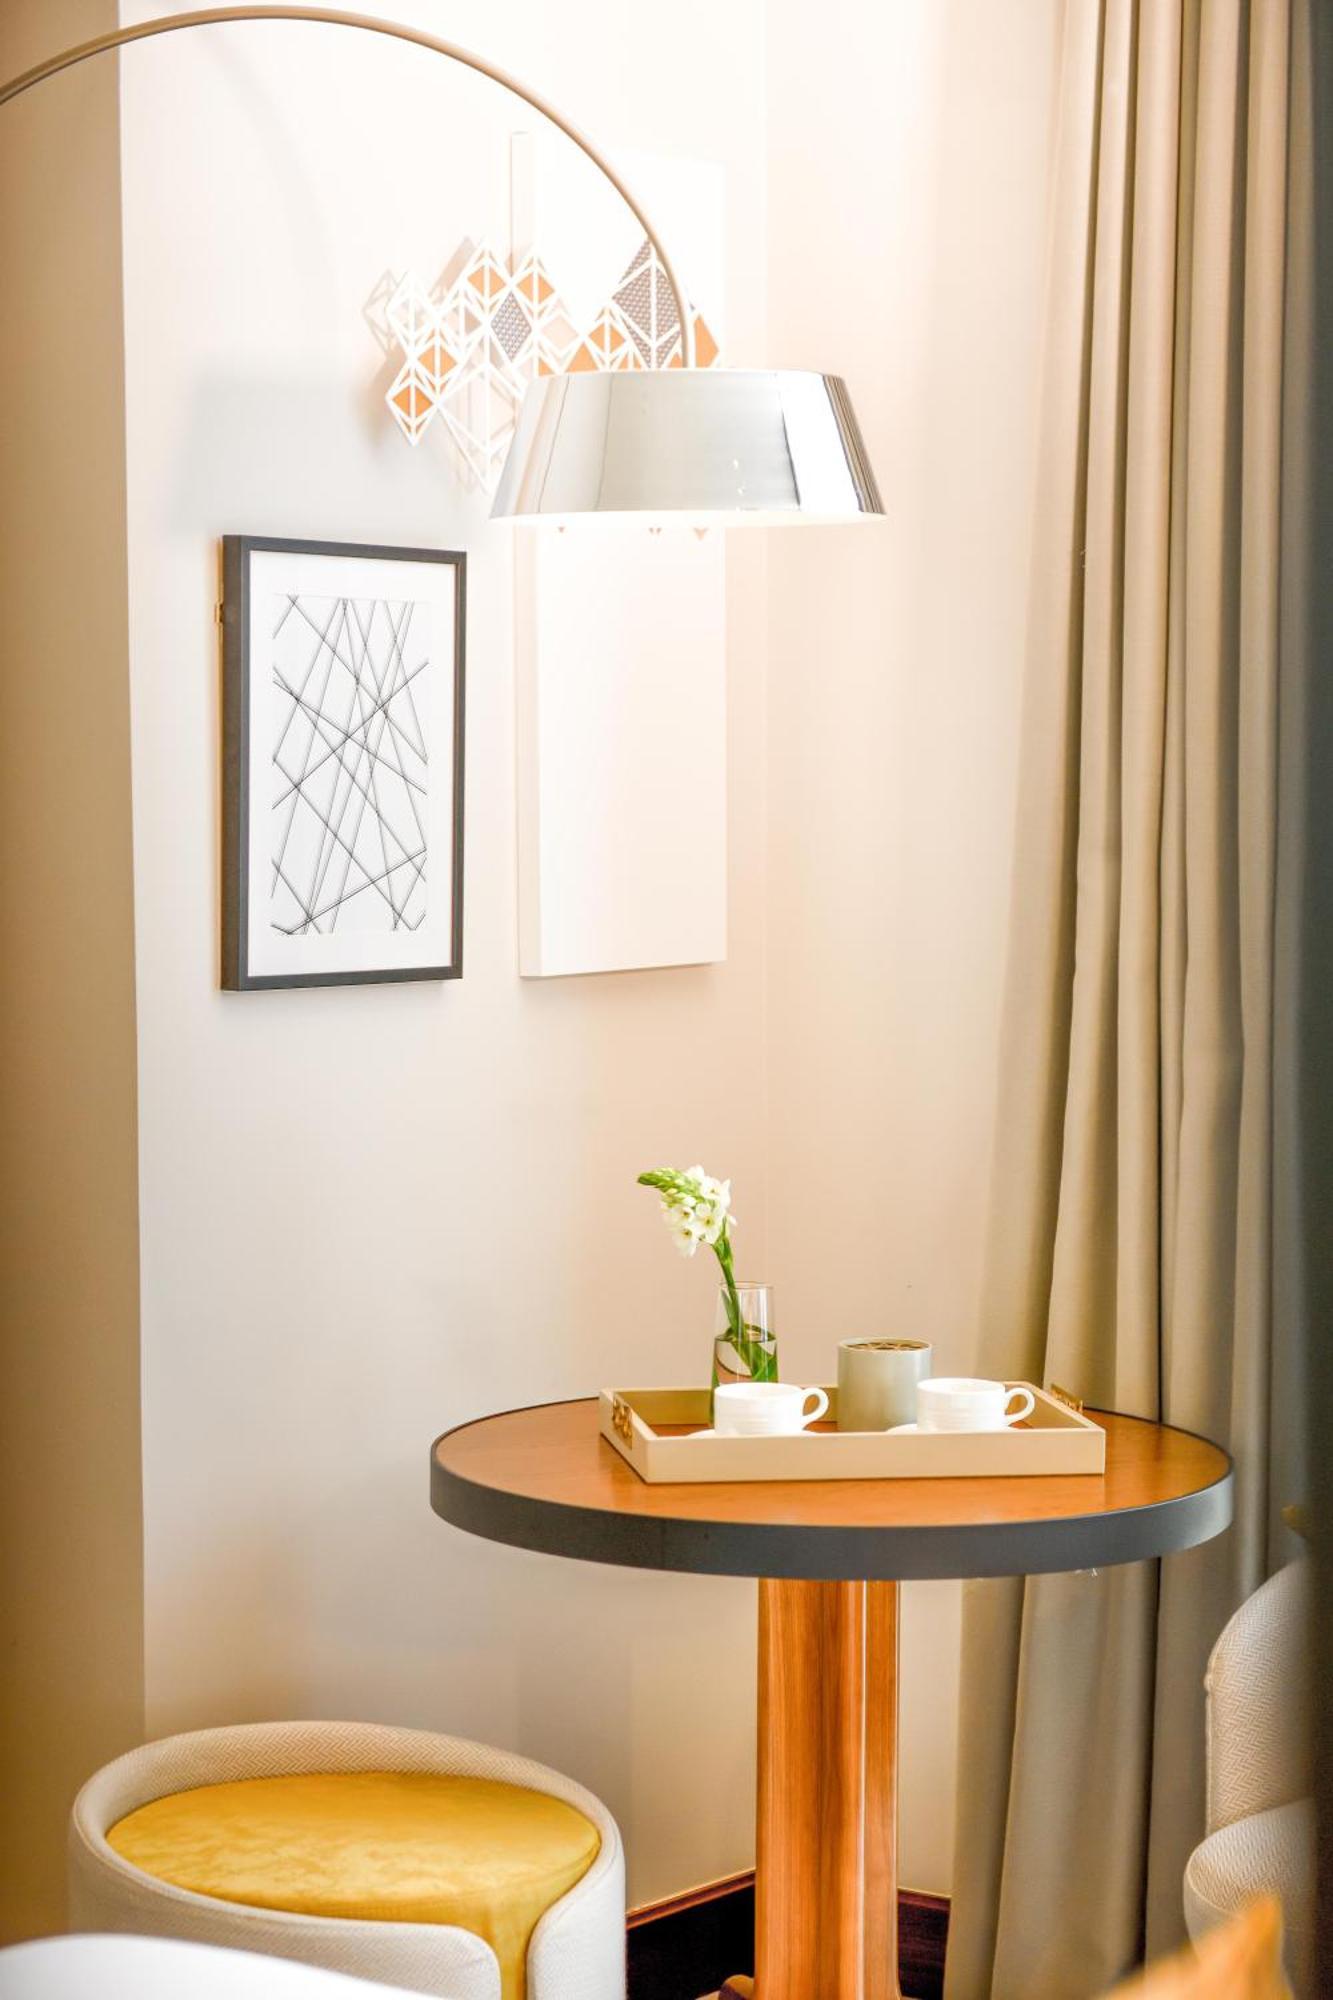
(829, 1556)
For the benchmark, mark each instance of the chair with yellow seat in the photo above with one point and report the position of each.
(422, 1861)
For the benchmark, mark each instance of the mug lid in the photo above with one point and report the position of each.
(889, 1346)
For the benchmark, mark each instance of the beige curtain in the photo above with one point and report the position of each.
(1130, 1254)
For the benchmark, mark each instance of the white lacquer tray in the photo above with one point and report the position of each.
(663, 1433)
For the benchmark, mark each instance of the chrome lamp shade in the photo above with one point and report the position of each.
(737, 445)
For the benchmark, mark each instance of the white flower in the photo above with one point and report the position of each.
(713, 1206)
(687, 1233)
(696, 1207)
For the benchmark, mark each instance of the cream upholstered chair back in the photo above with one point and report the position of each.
(142, 1968)
(1260, 1814)
(577, 1950)
(1259, 1713)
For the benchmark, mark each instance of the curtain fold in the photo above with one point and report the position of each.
(1130, 1246)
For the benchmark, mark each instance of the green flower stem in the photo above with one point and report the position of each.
(722, 1251)
(747, 1339)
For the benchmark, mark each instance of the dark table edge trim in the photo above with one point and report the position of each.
(905, 1555)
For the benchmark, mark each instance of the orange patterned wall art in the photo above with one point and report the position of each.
(468, 348)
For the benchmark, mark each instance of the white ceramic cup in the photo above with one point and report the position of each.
(967, 1403)
(765, 1409)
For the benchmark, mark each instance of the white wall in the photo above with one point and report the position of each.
(908, 151)
(371, 1213)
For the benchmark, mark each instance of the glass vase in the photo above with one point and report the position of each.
(745, 1347)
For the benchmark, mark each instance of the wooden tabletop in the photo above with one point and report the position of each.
(544, 1478)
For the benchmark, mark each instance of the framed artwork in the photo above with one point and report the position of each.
(342, 795)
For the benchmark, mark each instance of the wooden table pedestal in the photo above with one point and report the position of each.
(826, 1891)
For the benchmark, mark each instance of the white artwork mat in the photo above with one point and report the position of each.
(352, 704)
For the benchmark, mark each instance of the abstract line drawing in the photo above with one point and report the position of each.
(343, 697)
(468, 348)
(350, 806)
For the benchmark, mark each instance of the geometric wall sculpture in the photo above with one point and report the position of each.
(470, 348)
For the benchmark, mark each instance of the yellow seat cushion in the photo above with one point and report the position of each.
(404, 1847)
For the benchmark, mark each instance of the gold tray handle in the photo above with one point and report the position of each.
(622, 1419)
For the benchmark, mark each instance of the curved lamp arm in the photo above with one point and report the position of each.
(204, 17)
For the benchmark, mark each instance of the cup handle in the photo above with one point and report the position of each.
(809, 1417)
(1028, 1405)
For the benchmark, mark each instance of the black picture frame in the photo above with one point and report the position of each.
(238, 552)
